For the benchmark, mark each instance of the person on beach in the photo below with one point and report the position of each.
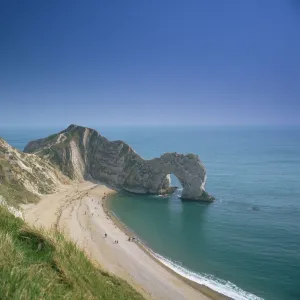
(105, 234)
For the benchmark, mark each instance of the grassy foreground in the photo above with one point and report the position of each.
(35, 264)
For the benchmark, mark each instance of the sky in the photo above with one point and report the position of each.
(152, 62)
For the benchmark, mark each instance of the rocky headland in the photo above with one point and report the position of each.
(83, 153)
(61, 175)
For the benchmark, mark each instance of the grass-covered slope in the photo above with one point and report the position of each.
(43, 265)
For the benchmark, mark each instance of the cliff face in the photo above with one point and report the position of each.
(23, 177)
(82, 153)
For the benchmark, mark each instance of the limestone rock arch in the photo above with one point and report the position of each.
(83, 153)
(153, 176)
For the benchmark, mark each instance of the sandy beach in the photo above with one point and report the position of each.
(78, 211)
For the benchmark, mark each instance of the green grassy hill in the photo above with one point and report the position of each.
(35, 264)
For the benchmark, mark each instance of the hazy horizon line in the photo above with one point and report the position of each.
(145, 125)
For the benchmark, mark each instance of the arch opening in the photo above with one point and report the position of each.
(171, 184)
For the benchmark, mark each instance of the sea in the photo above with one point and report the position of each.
(246, 244)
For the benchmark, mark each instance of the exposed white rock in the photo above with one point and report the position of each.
(16, 212)
(30, 171)
(77, 161)
(86, 154)
(61, 138)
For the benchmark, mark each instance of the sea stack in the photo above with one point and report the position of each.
(83, 153)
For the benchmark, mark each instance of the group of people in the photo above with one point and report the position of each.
(115, 241)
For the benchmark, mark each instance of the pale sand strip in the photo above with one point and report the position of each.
(77, 210)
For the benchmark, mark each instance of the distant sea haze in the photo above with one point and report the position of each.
(245, 244)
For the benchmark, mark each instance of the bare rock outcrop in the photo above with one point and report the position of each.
(23, 177)
(82, 153)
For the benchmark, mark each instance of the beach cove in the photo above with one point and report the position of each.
(77, 210)
(249, 253)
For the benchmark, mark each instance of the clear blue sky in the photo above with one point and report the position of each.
(139, 62)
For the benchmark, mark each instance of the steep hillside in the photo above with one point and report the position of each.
(83, 153)
(23, 177)
(36, 264)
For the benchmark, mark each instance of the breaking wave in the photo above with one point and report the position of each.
(223, 287)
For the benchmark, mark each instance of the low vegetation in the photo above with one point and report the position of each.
(35, 264)
(11, 189)
(16, 194)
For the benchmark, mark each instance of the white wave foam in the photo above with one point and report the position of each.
(223, 287)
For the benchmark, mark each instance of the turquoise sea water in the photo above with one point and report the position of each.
(226, 245)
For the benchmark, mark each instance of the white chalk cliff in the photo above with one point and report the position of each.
(82, 153)
(24, 177)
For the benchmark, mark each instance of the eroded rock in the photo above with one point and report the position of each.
(24, 177)
(82, 153)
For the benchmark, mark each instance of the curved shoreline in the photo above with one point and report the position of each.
(212, 294)
(77, 211)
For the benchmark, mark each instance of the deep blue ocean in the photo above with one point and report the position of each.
(246, 244)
